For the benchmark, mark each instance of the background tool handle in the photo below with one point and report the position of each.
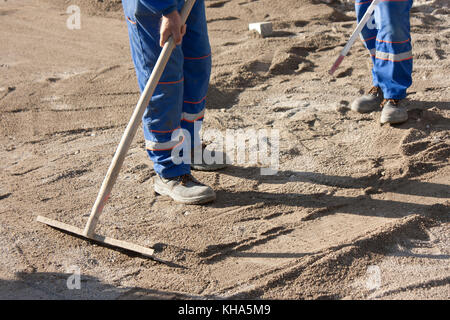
(354, 35)
(130, 131)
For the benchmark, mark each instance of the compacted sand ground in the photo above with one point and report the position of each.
(356, 211)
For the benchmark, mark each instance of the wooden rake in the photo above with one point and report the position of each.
(119, 157)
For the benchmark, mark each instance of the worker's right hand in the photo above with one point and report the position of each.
(171, 26)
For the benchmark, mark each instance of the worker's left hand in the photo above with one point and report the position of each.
(171, 26)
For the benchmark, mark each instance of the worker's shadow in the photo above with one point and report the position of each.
(65, 286)
(424, 105)
(363, 204)
(374, 182)
(421, 115)
(272, 204)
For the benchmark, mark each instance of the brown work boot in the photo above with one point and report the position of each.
(393, 112)
(368, 102)
(184, 189)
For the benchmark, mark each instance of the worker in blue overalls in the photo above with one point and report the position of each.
(178, 103)
(387, 37)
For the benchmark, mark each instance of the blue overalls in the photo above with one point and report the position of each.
(387, 36)
(179, 99)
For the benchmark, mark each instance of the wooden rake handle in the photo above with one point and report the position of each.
(130, 131)
(354, 36)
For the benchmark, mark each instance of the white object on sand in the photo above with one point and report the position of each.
(263, 28)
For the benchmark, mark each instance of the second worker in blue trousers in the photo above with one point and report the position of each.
(178, 103)
(388, 39)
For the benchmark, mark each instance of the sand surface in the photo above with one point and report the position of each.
(356, 211)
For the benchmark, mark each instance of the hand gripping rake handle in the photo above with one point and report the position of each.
(130, 131)
(354, 35)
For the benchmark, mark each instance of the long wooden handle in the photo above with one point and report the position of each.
(133, 124)
(354, 36)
